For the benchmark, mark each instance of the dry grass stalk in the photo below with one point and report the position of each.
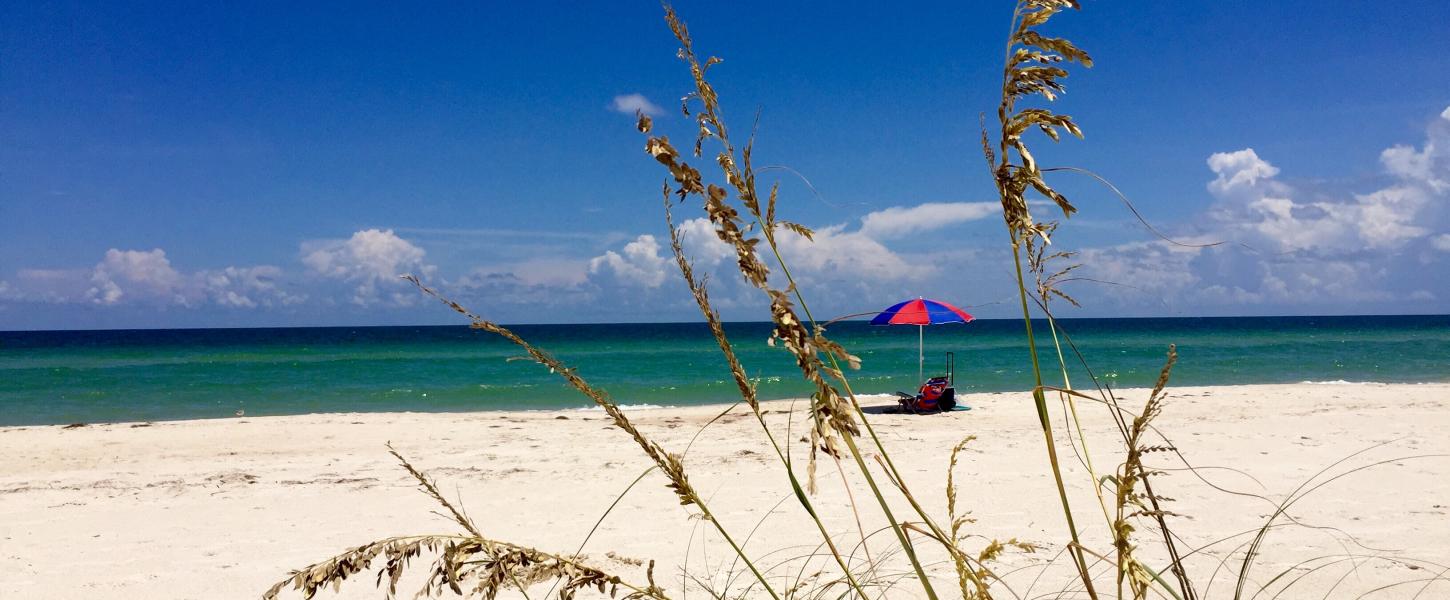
(1132, 503)
(1039, 261)
(974, 576)
(1031, 69)
(431, 490)
(971, 583)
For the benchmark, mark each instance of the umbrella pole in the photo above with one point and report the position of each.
(920, 355)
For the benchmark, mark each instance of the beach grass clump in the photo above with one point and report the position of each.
(468, 564)
(923, 555)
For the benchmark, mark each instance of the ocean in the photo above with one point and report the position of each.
(56, 377)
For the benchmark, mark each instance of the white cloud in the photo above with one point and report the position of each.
(1153, 267)
(1441, 242)
(639, 262)
(246, 287)
(835, 258)
(1304, 248)
(525, 287)
(1257, 209)
(1429, 166)
(1239, 170)
(899, 221)
(551, 273)
(372, 260)
(697, 237)
(1157, 274)
(144, 274)
(1388, 218)
(1414, 165)
(846, 256)
(631, 103)
(147, 277)
(648, 262)
(53, 286)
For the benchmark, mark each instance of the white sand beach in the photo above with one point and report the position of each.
(224, 508)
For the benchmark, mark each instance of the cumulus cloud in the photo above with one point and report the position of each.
(147, 274)
(639, 262)
(1415, 165)
(371, 260)
(1239, 171)
(697, 237)
(899, 221)
(1429, 166)
(147, 277)
(632, 103)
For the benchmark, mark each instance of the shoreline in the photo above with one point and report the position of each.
(226, 507)
(874, 397)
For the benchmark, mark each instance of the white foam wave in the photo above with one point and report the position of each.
(1340, 382)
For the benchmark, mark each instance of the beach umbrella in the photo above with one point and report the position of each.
(921, 312)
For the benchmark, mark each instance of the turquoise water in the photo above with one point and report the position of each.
(98, 376)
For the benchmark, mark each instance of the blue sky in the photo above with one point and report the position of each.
(274, 164)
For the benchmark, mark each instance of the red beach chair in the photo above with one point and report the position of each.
(937, 394)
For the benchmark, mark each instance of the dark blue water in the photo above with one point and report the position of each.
(96, 376)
